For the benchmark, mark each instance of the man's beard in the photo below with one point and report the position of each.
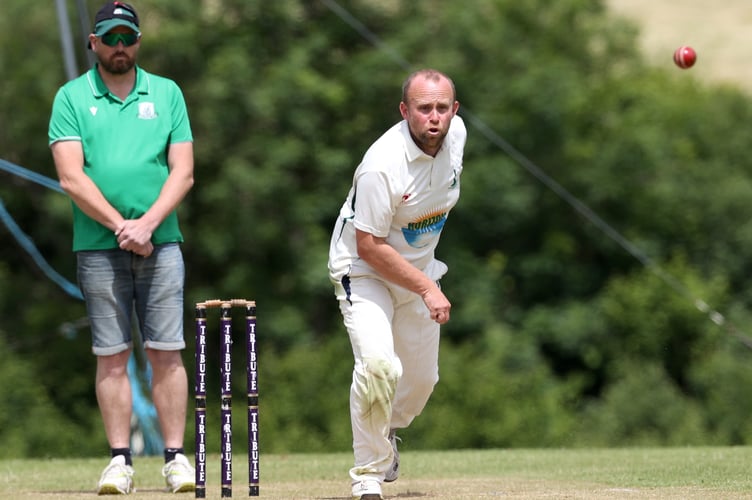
(426, 141)
(118, 64)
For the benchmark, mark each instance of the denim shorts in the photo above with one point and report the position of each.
(116, 284)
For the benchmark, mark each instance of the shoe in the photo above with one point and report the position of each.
(117, 478)
(368, 489)
(393, 473)
(179, 474)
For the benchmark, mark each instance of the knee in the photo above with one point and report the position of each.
(168, 360)
(378, 377)
(385, 370)
(115, 365)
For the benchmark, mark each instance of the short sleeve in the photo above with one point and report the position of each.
(373, 206)
(181, 126)
(64, 124)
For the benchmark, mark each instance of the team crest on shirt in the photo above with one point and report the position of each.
(455, 180)
(146, 111)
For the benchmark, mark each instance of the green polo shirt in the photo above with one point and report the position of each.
(125, 147)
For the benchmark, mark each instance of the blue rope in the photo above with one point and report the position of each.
(30, 175)
(143, 408)
(28, 244)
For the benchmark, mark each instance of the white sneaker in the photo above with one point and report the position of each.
(117, 478)
(393, 473)
(179, 474)
(368, 489)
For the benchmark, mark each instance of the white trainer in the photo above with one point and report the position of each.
(179, 474)
(393, 473)
(367, 489)
(117, 478)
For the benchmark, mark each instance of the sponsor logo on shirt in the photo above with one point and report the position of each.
(419, 234)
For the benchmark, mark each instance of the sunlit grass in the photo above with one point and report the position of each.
(707, 473)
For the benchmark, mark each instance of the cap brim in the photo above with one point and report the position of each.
(105, 26)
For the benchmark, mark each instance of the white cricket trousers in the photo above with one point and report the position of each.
(395, 344)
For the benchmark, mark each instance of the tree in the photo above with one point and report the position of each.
(285, 96)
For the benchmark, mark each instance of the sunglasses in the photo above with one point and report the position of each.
(112, 39)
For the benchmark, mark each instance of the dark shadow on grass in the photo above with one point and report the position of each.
(93, 493)
(405, 494)
(67, 492)
(409, 494)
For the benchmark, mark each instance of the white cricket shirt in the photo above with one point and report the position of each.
(402, 194)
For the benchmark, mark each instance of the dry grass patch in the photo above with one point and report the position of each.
(720, 32)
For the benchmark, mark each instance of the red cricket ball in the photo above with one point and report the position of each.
(685, 57)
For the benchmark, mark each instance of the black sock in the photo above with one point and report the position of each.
(169, 453)
(126, 452)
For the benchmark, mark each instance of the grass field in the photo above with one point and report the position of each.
(633, 473)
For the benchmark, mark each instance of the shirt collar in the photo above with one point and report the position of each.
(99, 89)
(412, 150)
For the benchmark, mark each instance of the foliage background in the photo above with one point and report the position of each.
(560, 336)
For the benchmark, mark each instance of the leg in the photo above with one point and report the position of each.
(416, 342)
(170, 394)
(114, 397)
(159, 307)
(367, 316)
(105, 281)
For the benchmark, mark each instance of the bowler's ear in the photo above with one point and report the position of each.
(403, 110)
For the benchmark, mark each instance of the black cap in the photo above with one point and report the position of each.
(114, 14)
